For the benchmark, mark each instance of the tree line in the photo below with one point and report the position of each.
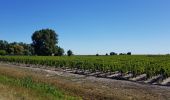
(44, 43)
(15, 48)
(114, 53)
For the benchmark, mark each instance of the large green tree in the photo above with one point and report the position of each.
(44, 42)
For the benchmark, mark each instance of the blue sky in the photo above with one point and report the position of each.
(91, 26)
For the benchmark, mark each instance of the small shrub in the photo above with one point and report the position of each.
(2, 52)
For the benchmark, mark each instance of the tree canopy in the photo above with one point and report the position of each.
(15, 48)
(113, 53)
(69, 53)
(59, 51)
(44, 42)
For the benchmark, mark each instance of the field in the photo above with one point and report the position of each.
(151, 65)
(97, 77)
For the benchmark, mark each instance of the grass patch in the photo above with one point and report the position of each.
(45, 90)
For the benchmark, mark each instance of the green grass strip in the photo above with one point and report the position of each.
(42, 88)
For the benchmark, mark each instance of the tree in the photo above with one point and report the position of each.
(15, 48)
(129, 53)
(59, 51)
(106, 54)
(97, 54)
(28, 49)
(69, 53)
(18, 49)
(3, 45)
(10, 49)
(122, 54)
(113, 53)
(44, 42)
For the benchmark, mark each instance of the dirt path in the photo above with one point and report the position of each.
(96, 88)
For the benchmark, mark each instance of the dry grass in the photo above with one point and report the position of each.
(14, 91)
(8, 92)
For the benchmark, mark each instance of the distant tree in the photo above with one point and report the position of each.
(18, 49)
(69, 53)
(113, 53)
(106, 54)
(28, 49)
(15, 48)
(3, 45)
(44, 42)
(122, 54)
(129, 53)
(26, 52)
(59, 51)
(10, 49)
(31, 50)
(97, 54)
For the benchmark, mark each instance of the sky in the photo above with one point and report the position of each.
(91, 26)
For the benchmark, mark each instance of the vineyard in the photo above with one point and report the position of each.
(149, 68)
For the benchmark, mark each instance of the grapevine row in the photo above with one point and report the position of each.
(151, 65)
